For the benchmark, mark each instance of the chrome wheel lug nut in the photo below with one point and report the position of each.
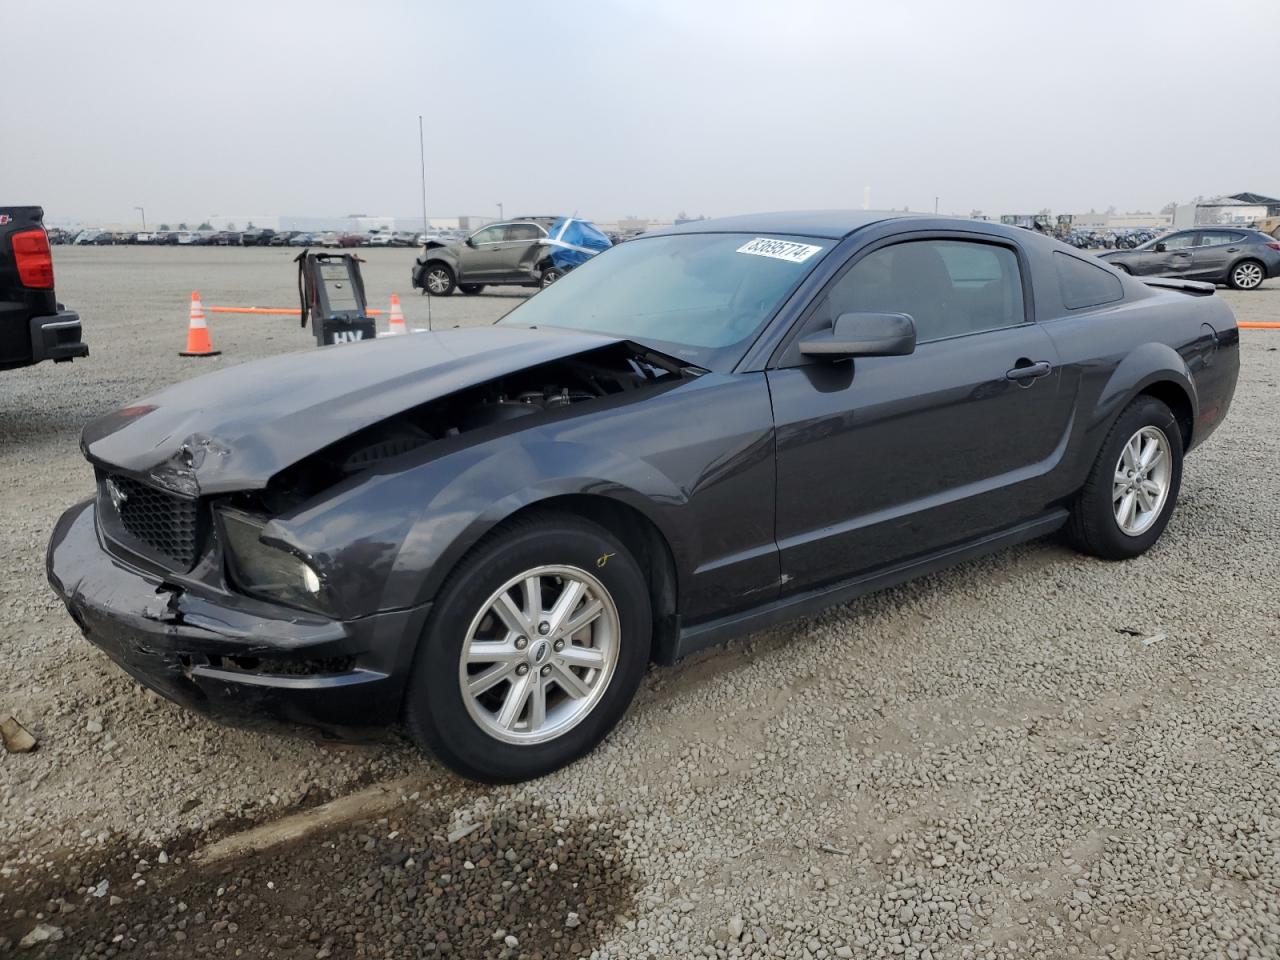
(559, 645)
(521, 642)
(544, 627)
(522, 669)
(546, 671)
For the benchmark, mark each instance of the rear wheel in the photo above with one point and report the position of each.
(438, 280)
(551, 275)
(1131, 491)
(1247, 275)
(471, 289)
(534, 650)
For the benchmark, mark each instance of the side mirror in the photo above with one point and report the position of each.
(864, 335)
(1161, 247)
(470, 243)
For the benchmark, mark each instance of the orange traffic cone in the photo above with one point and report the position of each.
(198, 342)
(395, 323)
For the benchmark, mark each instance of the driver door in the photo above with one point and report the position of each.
(480, 257)
(1170, 257)
(886, 459)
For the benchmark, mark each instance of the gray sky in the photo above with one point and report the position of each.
(650, 107)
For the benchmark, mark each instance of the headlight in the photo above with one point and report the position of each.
(267, 571)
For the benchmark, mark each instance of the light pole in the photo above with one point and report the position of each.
(144, 217)
(500, 214)
(935, 205)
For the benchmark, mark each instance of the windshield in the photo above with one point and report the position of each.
(701, 296)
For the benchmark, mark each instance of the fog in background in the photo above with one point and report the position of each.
(612, 108)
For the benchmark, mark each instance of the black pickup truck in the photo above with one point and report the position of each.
(33, 325)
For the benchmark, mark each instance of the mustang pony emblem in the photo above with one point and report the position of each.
(118, 496)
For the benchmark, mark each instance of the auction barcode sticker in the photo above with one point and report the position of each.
(779, 249)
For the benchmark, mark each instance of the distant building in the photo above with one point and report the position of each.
(1237, 208)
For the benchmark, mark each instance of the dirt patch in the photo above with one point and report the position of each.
(524, 884)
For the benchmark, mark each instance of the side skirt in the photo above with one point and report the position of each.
(699, 636)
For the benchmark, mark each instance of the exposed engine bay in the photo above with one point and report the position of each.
(545, 389)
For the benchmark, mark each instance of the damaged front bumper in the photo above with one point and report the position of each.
(241, 660)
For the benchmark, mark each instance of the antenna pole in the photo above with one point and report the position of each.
(422, 158)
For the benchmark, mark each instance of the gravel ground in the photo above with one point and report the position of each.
(988, 762)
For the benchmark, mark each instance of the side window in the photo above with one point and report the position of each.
(1085, 284)
(1179, 241)
(523, 231)
(489, 234)
(1211, 238)
(949, 287)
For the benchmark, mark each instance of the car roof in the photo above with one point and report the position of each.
(829, 224)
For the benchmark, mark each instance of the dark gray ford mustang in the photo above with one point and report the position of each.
(489, 533)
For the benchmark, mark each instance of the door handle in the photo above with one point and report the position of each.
(1029, 371)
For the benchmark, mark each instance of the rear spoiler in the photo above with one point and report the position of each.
(1194, 288)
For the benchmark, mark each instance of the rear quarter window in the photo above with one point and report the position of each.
(1084, 284)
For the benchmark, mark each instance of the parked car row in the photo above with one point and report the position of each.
(249, 238)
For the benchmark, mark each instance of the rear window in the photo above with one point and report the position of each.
(1216, 238)
(1084, 284)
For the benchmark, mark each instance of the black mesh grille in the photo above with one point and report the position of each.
(163, 521)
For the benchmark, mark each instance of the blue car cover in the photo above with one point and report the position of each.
(574, 242)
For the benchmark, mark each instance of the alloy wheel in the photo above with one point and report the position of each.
(1247, 276)
(1141, 483)
(437, 280)
(539, 654)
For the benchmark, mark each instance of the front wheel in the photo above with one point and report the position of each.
(1123, 269)
(438, 280)
(533, 652)
(1247, 275)
(1131, 491)
(471, 289)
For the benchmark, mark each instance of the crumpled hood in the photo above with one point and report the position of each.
(236, 428)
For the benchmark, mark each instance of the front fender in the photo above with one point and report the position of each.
(437, 251)
(506, 480)
(388, 541)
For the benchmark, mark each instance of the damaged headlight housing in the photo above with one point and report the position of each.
(266, 571)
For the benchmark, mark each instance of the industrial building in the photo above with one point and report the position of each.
(1241, 209)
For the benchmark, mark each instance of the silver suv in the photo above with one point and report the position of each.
(514, 252)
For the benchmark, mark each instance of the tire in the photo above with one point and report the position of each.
(550, 276)
(1123, 269)
(438, 279)
(1247, 275)
(1094, 526)
(471, 289)
(468, 733)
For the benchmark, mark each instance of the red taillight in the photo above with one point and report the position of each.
(35, 262)
(1274, 246)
